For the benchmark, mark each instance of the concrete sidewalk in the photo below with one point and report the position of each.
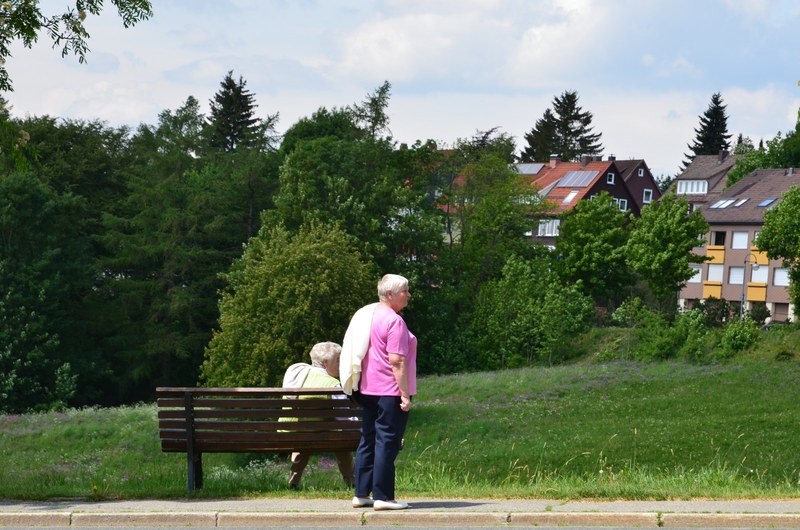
(423, 512)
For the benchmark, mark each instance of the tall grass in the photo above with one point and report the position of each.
(613, 430)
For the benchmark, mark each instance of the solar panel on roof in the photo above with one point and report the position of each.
(529, 169)
(577, 179)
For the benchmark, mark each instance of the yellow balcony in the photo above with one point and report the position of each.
(756, 292)
(712, 290)
(716, 253)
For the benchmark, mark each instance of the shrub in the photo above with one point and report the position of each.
(759, 313)
(738, 335)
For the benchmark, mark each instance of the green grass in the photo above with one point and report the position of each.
(613, 430)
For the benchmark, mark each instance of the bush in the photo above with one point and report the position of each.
(759, 313)
(737, 336)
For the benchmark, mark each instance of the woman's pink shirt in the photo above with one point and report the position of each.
(388, 334)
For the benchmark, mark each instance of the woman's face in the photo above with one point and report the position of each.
(399, 300)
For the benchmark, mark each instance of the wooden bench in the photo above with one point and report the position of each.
(250, 420)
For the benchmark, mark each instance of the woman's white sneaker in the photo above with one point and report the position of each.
(361, 502)
(390, 505)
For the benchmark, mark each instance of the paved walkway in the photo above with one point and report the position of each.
(423, 512)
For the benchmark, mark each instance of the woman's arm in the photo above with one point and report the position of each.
(400, 372)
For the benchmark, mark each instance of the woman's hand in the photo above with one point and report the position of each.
(405, 403)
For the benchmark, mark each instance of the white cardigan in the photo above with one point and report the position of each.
(354, 348)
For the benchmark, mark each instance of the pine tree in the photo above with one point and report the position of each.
(565, 131)
(232, 122)
(712, 136)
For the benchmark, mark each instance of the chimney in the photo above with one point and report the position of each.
(790, 172)
(585, 159)
(611, 158)
(554, 160)
(723, 154)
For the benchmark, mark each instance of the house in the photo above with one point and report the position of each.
(737, 271)
(705, 178)
(563, 184)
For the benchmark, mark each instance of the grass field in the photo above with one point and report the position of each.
(590, 430)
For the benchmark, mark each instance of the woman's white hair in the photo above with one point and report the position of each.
(391, 282)
(324, 353)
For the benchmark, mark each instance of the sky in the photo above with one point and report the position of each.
(645, 69)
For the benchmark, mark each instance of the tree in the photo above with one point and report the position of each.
(712, 135)
(590, 248)
(45, 272)
(660, 245)
(565, 131)
(23, 20)
(232, 123)
(286, 293)
(780, 238)
(771, 156)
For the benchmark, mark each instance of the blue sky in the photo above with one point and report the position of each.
(646, 69)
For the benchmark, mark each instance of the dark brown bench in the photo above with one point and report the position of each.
(248, 420)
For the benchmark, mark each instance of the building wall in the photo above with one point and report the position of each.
(720, 275)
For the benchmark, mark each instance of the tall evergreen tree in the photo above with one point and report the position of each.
(712, 135)
(232, 123)
(565, 131)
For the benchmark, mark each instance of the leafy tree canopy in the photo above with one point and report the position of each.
(23, 20)
(780, 237)
(590, 248)
(285, 294)
(660, 245)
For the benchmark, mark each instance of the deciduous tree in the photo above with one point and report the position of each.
(780, 238)
(660, 245)
(23, 20)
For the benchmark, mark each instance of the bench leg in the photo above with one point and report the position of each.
(195, 471)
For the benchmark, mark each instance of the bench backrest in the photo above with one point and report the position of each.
(256, 419)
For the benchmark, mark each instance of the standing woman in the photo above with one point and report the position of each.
(388, 380)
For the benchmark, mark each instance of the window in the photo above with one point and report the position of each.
(740, 202)
(766, 202)
(781, 277)
(718, 239)
(715, 273)
(641, 171)
(647, 196)
(697, 273)
(736, 275)
(548, 227)
(623, 204)
(759, 275)
(610, 178)
(723, 203)
(739, 240)
(571, 195)
(692, 187)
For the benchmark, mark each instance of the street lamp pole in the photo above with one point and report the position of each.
(754, 267)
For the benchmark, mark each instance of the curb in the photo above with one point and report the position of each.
(399, 518)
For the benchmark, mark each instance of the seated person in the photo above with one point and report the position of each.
(323, 372)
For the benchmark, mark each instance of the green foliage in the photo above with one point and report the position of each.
(759, 313)
(773, 156)
(780, 237)
(590, 248)
(285, 294)
(44, 273)
(651, 336)
(564, 131)
(526, 317)
(716, 311)
(712, 135)
(22, 20)
(660, 246)
(738, 335)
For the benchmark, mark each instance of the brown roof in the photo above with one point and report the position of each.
(746, 201)
(709, 167)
